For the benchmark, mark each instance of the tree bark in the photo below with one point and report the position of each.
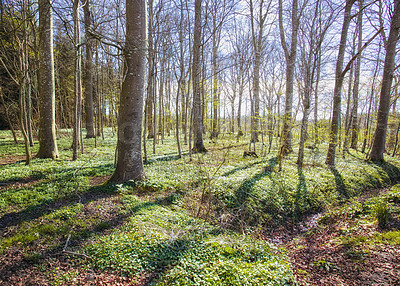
(47, 124)
(129, 146)
(378, 145)
(78, 83)
(290, 56)
(337, 93)
(88, 80)
(198, 144)
(357, 71)
(150, 78)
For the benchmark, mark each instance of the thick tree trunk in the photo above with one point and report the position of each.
(378, 146)
(47, 124)
(129, 158)
(198, 144)
(88, 80)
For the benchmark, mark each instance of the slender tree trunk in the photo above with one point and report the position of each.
(290, 56)
(150, 78)
(357, 71)
(129, 163)
(78, 83)
(215, 97)
(378, 146)
(8, 117)
(154, 111)
(337, 93)
(29, 110)
(22, 93)
(348, 118)
(397, 140)
(47, 126)
(370, 104)
(316, 135)
(239, 112)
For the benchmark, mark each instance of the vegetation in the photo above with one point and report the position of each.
(241, 186)
(179, 226)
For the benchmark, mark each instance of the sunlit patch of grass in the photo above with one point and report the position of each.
(187, 251)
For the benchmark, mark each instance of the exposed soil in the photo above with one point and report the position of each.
(318, 261)
(11, 159)
(23, 182)
(99, 180)
(318, 258)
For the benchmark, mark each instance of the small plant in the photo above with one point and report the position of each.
(324, 265)
(382, 213)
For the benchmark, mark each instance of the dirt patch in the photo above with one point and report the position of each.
(11, 159)
(318, 261)
(99, 180)
(320, 254)
(23, 182)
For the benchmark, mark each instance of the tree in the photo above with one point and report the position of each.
(290, 56)
(88, 80)
(337, 93)
(357, 71)
(129, 145)
(198, 145)
(257, 32)
(47, 126)
(77, 131)
(378, 145)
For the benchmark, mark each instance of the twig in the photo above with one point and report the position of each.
(74, 253)
(78, 254)
(66, 243)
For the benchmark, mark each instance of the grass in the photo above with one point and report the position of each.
(178, 224)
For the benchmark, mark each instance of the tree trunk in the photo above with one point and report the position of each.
(378, 146)
(129, 160)
(150, 78)
(47, 126)
(357, 71)
(8, 117)
(239, 112)
(88, 80)
(78, 83)
(290, 56)
(198, 145)
(337, 93)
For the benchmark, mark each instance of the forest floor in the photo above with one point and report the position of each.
(343, 246)
(61, 225)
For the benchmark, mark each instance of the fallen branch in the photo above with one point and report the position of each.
(78, 254)
(74, 253)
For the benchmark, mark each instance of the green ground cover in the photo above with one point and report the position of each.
(182, 223)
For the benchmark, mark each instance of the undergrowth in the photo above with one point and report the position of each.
(178, 222)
